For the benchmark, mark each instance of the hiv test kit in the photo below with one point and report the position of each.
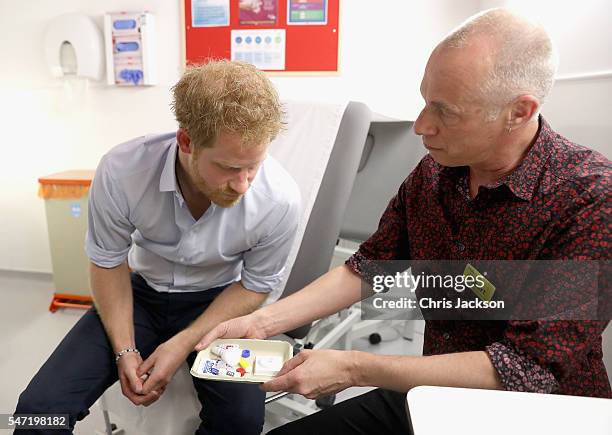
(242, 360)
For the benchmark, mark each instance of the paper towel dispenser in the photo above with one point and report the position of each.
(81, 32)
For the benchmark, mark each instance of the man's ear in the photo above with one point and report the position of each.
(184, 141)
(522, 111)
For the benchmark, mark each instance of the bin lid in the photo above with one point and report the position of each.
(71, 178)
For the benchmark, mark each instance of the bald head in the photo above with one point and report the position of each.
(516, 55)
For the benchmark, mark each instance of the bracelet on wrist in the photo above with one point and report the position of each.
(124, 351)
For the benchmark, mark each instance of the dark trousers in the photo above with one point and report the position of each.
(376, 412)
(83, 366)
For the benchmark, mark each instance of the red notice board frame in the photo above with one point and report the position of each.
(310, 49)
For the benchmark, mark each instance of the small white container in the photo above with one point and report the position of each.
(257, 347)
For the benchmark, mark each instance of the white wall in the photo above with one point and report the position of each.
(49, 129)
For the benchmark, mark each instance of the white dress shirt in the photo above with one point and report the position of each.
(136, 209)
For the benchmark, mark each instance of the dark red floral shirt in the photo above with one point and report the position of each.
(556, 205)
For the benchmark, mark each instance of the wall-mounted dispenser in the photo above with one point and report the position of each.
(130, 48)
(82, 34)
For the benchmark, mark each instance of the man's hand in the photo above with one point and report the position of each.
(240, 327)
(131, 383)
(314, 373)
(160, 367)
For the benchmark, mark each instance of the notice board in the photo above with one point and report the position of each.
(281, 36)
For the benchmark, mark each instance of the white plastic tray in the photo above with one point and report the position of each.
(257, 348)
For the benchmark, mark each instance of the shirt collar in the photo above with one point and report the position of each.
(167, 181)
(522, 181)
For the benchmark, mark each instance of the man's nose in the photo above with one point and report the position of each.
(240, 184)
(423, 126)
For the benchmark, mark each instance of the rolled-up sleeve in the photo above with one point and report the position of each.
(518, 372)
(535, 356)
(109, 229)
(264, 264)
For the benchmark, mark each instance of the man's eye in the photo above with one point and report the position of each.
(450, 118)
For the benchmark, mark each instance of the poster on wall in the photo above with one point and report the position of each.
(258, 12)
(307, 12)
(210, 13)
(263, 48)
(304, 46)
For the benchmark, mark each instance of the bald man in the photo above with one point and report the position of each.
(498, 184)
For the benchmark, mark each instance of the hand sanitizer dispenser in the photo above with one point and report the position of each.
(130, 48)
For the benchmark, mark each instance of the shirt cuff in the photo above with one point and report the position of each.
(261, 284)
(367, 269)
(103, 258)
(518, 372)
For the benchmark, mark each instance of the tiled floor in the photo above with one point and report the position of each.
(30, 333)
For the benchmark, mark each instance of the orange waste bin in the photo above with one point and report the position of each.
(66, 195)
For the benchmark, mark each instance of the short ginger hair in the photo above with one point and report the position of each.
(227, 96)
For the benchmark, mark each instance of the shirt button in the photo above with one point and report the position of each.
(446, 335)
(460, 246)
